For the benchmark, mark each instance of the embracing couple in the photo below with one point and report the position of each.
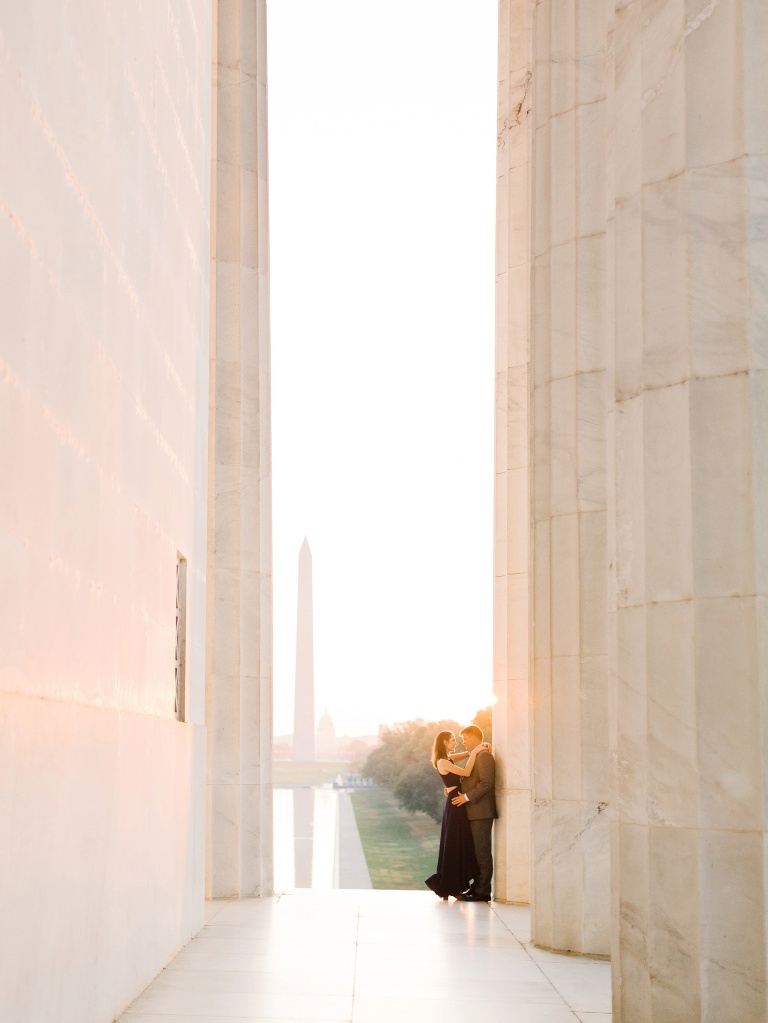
(465, 860)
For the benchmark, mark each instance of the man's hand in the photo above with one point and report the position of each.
(458, 800)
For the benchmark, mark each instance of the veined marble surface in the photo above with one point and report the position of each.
(632, 220)
(104, 348)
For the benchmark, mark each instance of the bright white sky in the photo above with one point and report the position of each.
(382, 121)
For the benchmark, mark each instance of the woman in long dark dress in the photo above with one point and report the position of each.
(456, 862)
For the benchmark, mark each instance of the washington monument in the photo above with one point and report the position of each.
(304, 707)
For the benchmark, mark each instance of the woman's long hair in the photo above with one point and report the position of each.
(438, 747)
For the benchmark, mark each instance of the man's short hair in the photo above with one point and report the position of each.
(474, 731)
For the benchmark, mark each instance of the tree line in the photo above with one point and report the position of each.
(401, 762)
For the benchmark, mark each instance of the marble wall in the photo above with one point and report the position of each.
(239, 673)
(104, 235)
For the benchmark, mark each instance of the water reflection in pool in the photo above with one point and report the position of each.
(306, 828)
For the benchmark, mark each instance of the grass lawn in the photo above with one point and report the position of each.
(401, 848)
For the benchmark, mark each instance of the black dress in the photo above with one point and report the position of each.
(456, 862)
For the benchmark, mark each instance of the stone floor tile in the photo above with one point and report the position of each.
(585, 985)
(402, 954)
(436, 1010)
(377, 933)
(452, 952)
(212, 908)
(516, 918)
(441, 971)
(272, 944)
(276, 964)
(332, 981)
(164, 1018)
(306, 930)
(396, 986)
(228, 1004)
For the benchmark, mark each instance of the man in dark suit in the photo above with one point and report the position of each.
(478, 792)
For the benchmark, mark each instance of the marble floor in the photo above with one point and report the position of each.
(349, 956)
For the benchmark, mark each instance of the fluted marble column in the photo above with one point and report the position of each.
(239, 690)
(690, 486)
(511, 543)
(570, 829)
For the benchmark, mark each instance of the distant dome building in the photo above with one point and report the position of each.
(325, 740)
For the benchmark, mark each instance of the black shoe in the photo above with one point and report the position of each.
(474, 897)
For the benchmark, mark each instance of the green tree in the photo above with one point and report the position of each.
(401, 763)
(484, 719)
(419, 787)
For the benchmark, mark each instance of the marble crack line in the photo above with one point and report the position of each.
(590, 475)
(589, 822)
(516, 118)
(691, 25)
(752, 982)
(681, 938)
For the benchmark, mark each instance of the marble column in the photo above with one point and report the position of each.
(570, 827)
(511, 535)
(239, 676)
(690, 481)
(648, 488)
(690, 486)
